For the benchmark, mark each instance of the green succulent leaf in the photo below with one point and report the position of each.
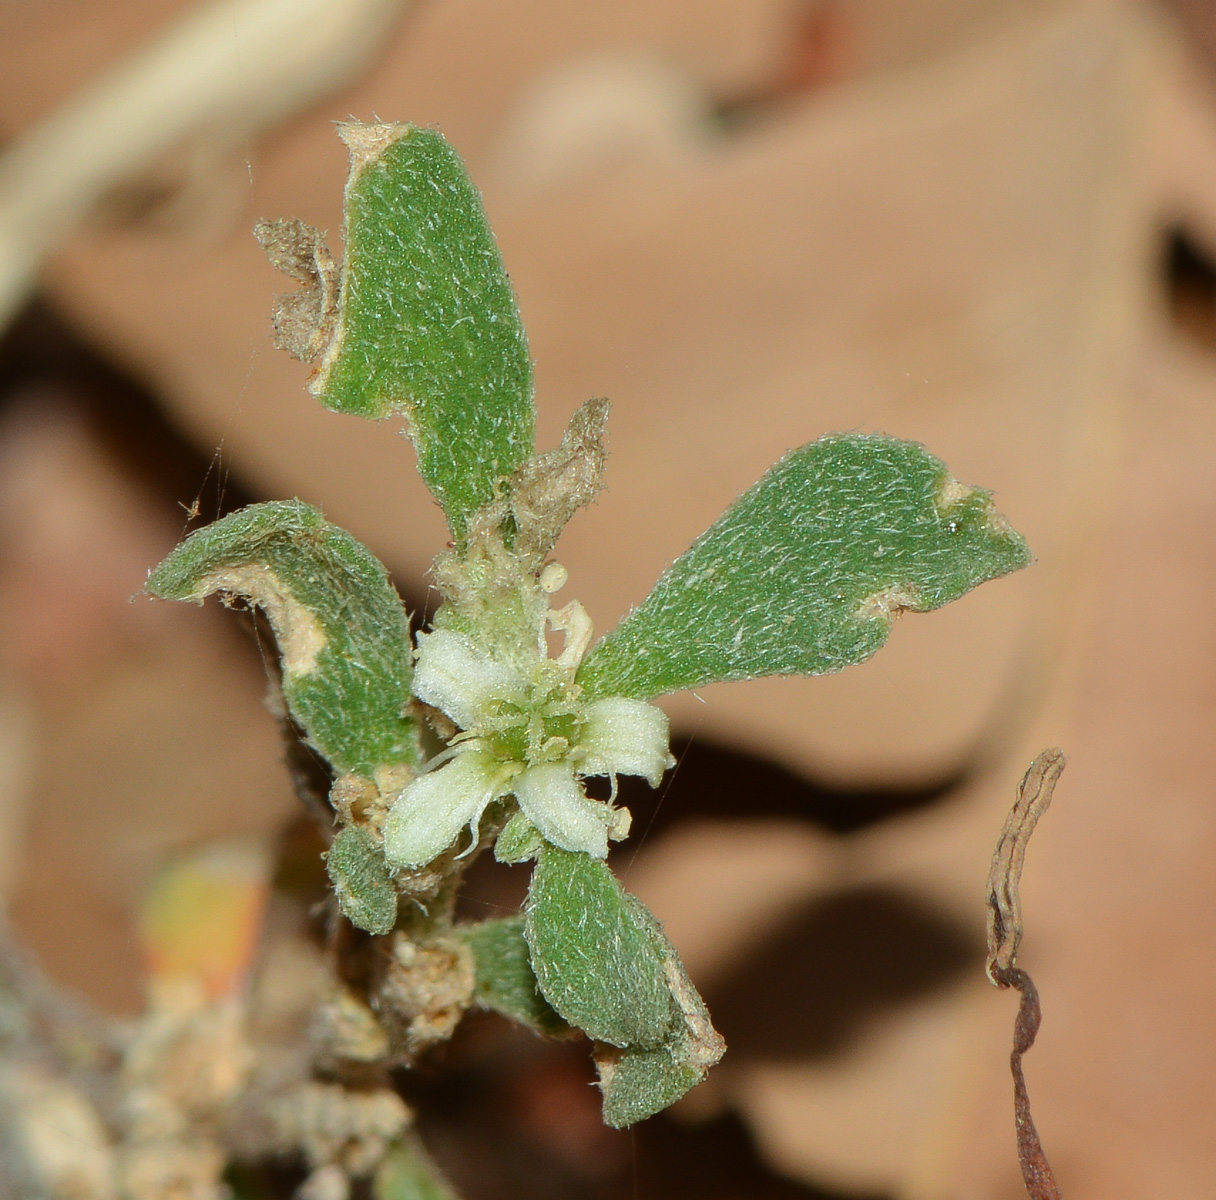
(636, 1084)
(504, 981)
(361, 881)
(805, 573)
(427, 324)
(342, 632)
(594, 957)
(407, 1173)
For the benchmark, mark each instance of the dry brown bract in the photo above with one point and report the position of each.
(304, 320)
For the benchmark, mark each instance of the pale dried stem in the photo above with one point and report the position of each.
(1004, 937)
(228, 70)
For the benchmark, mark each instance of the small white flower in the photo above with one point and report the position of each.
(526, 733)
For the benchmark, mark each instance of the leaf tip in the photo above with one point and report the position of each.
(368, 140)
(955, 501)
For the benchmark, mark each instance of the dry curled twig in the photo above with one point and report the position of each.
(1004, 936)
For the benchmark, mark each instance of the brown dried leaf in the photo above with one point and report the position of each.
(304, 320)
(550, 488)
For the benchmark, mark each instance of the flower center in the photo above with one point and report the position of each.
(537, 732)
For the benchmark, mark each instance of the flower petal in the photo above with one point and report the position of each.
(453, 675)
(554, 801)
(428, 816)
(625, 737)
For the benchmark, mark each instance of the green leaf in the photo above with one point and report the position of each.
(407, 1173)
(342, 633)
(504, 980)
(361, 881)
(519, 841)
(594, 957)
(639, 1083)
(805, 573)
(427, 323)
(605, 964)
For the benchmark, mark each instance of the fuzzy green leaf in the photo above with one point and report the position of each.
(594, 957)
(427, 323)
(504, 980)
(519, 841)
(342, 633)
(606, 965)
(636, 1084)
(805, 572)
(361, 881)
(406, 1173)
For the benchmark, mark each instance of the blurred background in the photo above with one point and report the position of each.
(987, 226)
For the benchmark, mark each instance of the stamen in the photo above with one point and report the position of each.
(572, 620)
(466, 742)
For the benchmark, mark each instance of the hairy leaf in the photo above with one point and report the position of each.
(594, 957)
(361, 881)
(805, 573)
(427, 324)
(606, 965)
(519, 841)
(342, 632)
(636, 1084)
(504, 980)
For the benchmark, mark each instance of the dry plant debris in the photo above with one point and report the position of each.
(1004, 937)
